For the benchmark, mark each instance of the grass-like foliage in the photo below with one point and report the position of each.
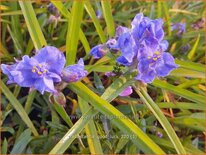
(74, 82)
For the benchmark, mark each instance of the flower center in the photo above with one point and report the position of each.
(39, 69)
(156, 56)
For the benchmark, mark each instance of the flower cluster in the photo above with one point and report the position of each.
(142, 46)
(43, 71)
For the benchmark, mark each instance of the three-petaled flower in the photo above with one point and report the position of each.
(39, 72)
(158, 64)
(43, 70)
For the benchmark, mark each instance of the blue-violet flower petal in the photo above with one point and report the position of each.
(74, 73)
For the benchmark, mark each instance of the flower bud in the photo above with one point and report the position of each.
(74, 73)
(58, 98)
(126, 92)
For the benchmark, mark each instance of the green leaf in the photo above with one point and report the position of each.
(4, 7)
(127, 126)
(69, 137)
(193, 50)
(121, 143)
(19, 12)
(29, 47)
(179, 91)
(107, 12)
(32, 24)
(73, 31)
(22, 142)
(16, 90)
(120, 120)
(61, 111)
(191, 65)
(182, 72)
(57, 126)
(190, 123)
(90, 129)
(182, 105)
(195, 121)
(57, 104)
(168, 145)
(15, 40)
(159, 9)
(29, 101)
(162, 119)
(98, 83)
(67, 15)
(166, 11)
(20, 110)
(112, 93)
(4, 147)
(4, 114)
(95, 20)
(7, 129)
(16, 27)
(193, 150)
(190, 83)
(27, 108)
(118, 86)
(99, 68)
(4, 53)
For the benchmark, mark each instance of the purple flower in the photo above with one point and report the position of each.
(99, 14)
(147, 34)
(180, 27)
(121, 30)
(74, 73)
(6, 69)
(53, 10)
(54, 19)
(158, 65)
(123, 42)
(159, 134)
(99, 51)
(39, 72)
(143, 46)
(144, 28)
(142, 39)
(112, 44)
(126, 92)
(110, 74)
(127, 47)
(154, 62)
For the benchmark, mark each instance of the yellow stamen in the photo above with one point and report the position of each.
(148, 57)
(33, 70)
(154, 59)
(40, 73)
(157, 52)
(45, 71)
(158, 56)
(40, 65)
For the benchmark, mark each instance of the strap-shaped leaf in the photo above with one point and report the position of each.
(162, 119)
(32, 24)
(18, 107)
